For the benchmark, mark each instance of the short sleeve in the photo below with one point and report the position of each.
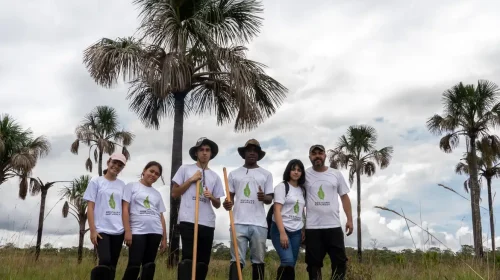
(342, 187)
(127, 192)
(230, 181)
(179, 176)
(268, 188)
(161, 206)
(91, 191)
(218, 189)
(279, 194)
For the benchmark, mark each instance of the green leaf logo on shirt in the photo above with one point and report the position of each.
(246, 191)
(296, 207)
(146, 202)
(112, 203)
(321, 194)
(200, 190)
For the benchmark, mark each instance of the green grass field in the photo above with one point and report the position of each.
(19, 265)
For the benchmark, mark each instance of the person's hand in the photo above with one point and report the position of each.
(348, 228)
(207, 193)
(93, 237)
(195, 177)
(163, 245)
(128, 238)
(260, 195)
(228, 205)
(284, 241)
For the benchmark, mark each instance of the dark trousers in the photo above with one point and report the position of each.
(320, 242)
(205, 239)
(144, 249)
(109, 248)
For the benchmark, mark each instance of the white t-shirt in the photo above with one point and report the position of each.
(146, 206)
(293, 206)
(107, 196)
(244, 183)
(188, 199)
(323, 190)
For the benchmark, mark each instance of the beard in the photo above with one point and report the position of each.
(318, 162)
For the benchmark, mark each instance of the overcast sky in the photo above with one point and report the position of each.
(385, 64)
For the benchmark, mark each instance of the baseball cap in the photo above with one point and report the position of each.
(120, 157)
(317, 146)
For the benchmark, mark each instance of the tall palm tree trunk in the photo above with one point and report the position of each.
(358, 178)
(99, 166)
(40, 224)
(476, 214)
(492, 223)
(80, 241)
(174, 236)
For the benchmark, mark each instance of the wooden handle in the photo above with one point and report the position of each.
(233, 230)
(195, 240)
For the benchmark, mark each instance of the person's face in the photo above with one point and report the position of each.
(317, 157)
(151, 174)
(204, 153)
(115, 167)
(295, 173)
(251, 154)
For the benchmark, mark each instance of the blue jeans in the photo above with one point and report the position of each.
(287, 256)
(249, 236)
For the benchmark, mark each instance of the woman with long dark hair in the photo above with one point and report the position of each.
(144, 223)
(287, 222)
(104, 212)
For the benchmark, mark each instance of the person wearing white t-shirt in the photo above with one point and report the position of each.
(184, 186)
(250, 187)
(104, 213)
(144, 223)
(287, 222)
(324, 235)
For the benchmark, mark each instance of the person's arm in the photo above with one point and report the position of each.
(278, 219)
(126, 216)
(163, 243)
(178, 190)
(269, 190)
(346, 204)
(215, 202)
(90, 215)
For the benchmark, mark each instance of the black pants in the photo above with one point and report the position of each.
(143, 249)
(320, 242)
(205, 239)
(109, 248)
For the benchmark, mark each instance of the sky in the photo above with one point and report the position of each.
(344, 63)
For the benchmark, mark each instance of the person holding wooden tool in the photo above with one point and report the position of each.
(250, 186)
(211, 190)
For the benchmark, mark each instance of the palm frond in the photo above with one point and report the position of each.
(96, 156)
(126, 153)
(233, 21)
(125, 137)
(74, 146)
(107, 59)
(462, 168)
(369, 169)
(65, 209)
(384, 156)
(352, 172)
(23, 187)
(449, 142)
(88, 165)
(35, 186)
(23, 162)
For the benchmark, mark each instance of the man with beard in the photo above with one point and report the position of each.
(250, 187)
(210, 192)
(324, 233)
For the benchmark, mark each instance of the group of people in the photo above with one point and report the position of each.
(304, 212)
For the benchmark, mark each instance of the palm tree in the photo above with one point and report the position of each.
(357, 152)
(189, 60)
(19, 152)
(488, 162)
(76, 206)
(99, 130)
(468, 111)
(37, 186)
